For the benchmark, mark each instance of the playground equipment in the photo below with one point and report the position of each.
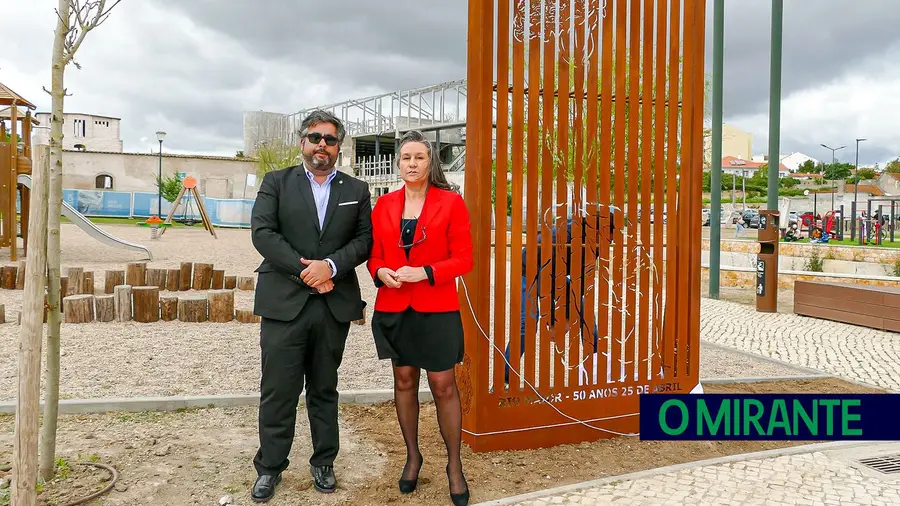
(85, 224)
(15, 181)
(15, 159)
(189, 184)
(643, 297)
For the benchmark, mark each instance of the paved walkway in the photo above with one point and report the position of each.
(856, 353)
(820, 478)
(814, 478)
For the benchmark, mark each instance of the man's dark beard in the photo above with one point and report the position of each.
(316, 164)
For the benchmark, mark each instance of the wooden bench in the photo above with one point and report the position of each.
(876, 307)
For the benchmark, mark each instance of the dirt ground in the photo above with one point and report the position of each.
(199, 456)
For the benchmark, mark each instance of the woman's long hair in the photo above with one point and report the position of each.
(436, 175)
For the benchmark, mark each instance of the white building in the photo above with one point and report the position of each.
(85, 132)
(794, 160)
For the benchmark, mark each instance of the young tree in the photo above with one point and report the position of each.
(276, 154)
(74, 20)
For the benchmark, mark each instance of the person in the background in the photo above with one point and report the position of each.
(423, 243)
(535, 287)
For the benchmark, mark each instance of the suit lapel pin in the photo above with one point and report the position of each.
(340, 181)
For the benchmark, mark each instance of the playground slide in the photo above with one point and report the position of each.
(88, 226)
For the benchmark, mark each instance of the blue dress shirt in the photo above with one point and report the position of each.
(321, 194)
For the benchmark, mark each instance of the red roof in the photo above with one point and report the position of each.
(735, 162)
(865, 188)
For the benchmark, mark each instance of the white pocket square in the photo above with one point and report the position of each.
(348, 203)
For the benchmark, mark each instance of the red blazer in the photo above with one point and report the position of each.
(447, 248)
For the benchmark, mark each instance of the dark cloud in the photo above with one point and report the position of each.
(391, 45)
(822, 40)
(193, 67)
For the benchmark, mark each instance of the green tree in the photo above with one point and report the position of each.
(276, 155)
(863, 174)
(808, 167)
(170, 186)
(837, 171)
(893, 166)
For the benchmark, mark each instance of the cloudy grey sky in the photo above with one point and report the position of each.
(191, 67)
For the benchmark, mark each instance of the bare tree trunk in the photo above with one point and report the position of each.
(54, 209)
(25, 462)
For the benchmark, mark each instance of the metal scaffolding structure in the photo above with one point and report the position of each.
(396, 111)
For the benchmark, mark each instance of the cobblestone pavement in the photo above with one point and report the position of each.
(820, 478)
(810, 478)
(856, 353)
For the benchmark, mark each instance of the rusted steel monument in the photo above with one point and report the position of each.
(599, 126)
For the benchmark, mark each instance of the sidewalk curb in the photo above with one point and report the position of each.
(782, 363)
(175, 403)
(814, 373)
(778, 452)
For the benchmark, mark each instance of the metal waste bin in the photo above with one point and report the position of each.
(767, 262)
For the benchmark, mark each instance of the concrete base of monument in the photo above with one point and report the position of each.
(199, 455)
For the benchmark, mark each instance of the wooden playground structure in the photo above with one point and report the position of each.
(189, 185)
(583, 133)
(15, 159)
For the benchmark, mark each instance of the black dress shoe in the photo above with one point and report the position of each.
(264, 488)
(408, 486)
(323, 477)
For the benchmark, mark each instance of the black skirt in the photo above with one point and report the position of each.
(430, 341)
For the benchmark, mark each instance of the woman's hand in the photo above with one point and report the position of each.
(407, 274)
(389, 278)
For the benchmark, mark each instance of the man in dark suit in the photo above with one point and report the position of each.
(313, 227)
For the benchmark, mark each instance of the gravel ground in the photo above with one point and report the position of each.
(176, 358)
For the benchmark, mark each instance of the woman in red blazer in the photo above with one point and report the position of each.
(422, 243)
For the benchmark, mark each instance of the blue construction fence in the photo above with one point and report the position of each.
(119, 204)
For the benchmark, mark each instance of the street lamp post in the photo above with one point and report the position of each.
(833, 160)
(855, 191)
(856, 186)
(159, 136)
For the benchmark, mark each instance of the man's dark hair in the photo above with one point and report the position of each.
(319, 116)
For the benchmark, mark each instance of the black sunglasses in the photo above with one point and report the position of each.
(316, 137)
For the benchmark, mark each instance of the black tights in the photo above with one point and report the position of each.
(446, 398)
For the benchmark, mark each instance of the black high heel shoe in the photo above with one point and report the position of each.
(407, 486)
(461, 499)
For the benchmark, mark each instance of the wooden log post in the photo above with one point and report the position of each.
(64, 286)
(88, 286)
(192, 308)
(187, 270)
(2, 313)
(105, 307)
(79, 308)
(168, 307)
(113, 279)
(173, 279)
(218, 279)
(246, 316)
(135, 273)
(145, 301)
(202, 276)
(230, 282)
(245, 282)
(20, 277)
(76, 281)
(8, 275)
(221, 305)
(156, 277)
(122, 296)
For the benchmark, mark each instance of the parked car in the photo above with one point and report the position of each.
(751, 218)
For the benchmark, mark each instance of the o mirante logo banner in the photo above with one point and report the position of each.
(868, 417)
